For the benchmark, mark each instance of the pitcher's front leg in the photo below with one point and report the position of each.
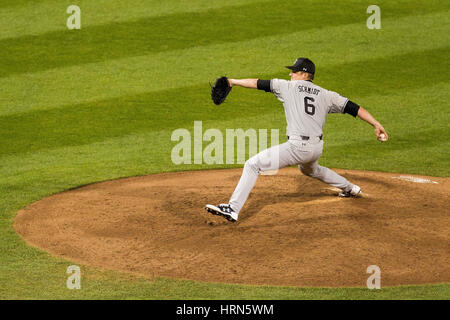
(274, 158)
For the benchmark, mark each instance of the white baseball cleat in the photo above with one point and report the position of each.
(355, 192)
(223, 210)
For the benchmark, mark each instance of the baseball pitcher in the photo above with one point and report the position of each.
(306, 106)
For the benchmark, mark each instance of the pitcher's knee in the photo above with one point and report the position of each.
(252, 164)
(309, 171)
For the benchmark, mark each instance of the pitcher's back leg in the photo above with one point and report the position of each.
(314, 170)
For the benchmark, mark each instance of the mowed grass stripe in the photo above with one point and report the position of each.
(158, 34)
(135, 75)
(177, 31)
(18, 3)
(86, 123)
(35, 18)
(24, 17)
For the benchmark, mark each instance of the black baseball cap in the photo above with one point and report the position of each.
(303, 64)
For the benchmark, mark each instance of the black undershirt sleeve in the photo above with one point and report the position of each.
(351, 108)
(263, 85)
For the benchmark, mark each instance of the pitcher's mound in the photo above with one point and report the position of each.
(294, 230)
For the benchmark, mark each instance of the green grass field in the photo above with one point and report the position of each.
(79, 106)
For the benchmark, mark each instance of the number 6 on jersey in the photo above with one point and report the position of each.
(309, 107)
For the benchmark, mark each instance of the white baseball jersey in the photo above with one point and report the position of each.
(306, 105)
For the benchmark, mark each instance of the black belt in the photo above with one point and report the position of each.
(307, 137)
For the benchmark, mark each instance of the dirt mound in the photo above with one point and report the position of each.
(293, 230)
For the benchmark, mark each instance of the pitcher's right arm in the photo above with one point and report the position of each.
(365, 115)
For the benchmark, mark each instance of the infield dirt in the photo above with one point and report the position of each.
(293, 230)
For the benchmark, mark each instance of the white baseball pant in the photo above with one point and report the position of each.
(305, 153)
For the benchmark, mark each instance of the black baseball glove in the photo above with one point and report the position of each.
(220, 90)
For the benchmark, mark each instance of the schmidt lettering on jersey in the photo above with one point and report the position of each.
(306, 89)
